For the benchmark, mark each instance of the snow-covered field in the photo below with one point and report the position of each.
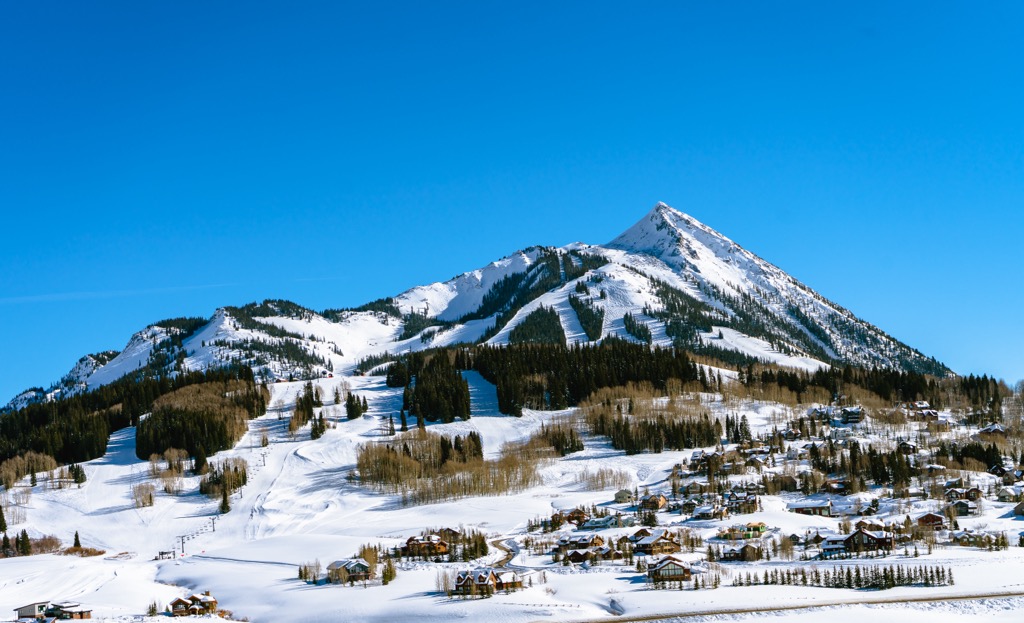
(300, 505)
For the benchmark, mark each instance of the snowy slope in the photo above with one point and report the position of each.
(690, 285)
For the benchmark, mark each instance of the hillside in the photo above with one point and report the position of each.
(668, 280)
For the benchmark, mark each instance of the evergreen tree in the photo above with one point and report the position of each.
(25, 548)
(225, 504)
(3, 520)
(78, 543)
(405, 424)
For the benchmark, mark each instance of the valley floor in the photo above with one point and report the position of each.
(300, 505)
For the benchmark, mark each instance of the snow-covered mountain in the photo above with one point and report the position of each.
(667, 280)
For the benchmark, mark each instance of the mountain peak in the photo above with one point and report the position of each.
(663, 230)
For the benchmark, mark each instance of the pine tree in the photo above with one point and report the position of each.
(3, 520)
(405, 424)
(225, 504)
(25, 549)
(78, 543)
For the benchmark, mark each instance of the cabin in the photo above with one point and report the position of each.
(623, 496)
(933, 521)
(669, 569)
(349, 570)
(974, 494)
(821, 508)
(1019, 509)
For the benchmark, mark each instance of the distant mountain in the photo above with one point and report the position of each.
(667, 280)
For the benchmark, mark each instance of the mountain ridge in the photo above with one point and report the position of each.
(688, 285)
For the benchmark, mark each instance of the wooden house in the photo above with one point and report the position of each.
(349, 570)
(427, 546)
(746, 552)
(669, 569)
(653, 502)
(486, 581)
(623, 496)
(193, 605)
(811, 507)
(963, 508)
(656, 544)
(1019, 509)
(933, 521)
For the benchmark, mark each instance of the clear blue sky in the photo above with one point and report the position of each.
(164, 159)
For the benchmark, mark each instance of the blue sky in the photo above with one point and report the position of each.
(164, 159)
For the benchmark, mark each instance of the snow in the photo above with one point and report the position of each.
(299, 505)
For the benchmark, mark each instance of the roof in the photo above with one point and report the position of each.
(810, 504)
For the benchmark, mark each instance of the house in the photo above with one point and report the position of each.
(579, 541)
(870, 540)
(741, 532)
(993, 429)
(956, 493)
(811, 507)
(180, 607)
(971, 538)
(429, 545)
(859, 541)
(905, 447)
(669, 569)
(575, 515)
(836, 487)
(34, 610)
(934, 521)
(486, 581)
(623, 496)
(974, 494)
(710, 511)
(579, 556)
(746, 552)
(791, 434)
(697, 487)
(653, 502)
(1019, 509)
(852, 415)
(193, 605)
(656, 544)
(71, 610)
(962, 508)
(609, 521)
(1006, 494)
(642, 533)
(795, 453)
(349, 570)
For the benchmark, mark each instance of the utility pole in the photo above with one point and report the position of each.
(182, 537)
